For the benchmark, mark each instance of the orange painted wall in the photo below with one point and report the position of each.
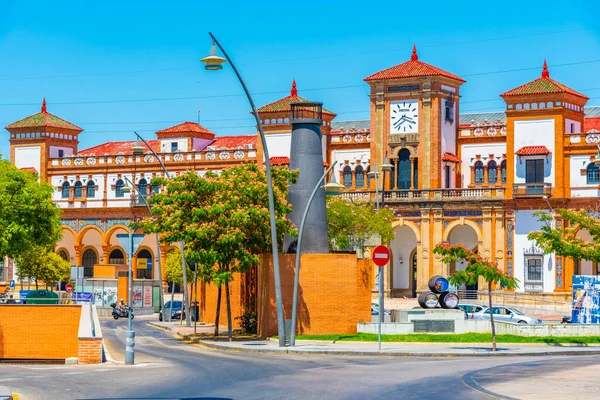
(104, 271)
(39, 332)
(335, 293)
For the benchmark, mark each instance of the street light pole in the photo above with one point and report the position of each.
(213, 62)
(130, 337)
(298, 255)
(158, 264)
(182, 245)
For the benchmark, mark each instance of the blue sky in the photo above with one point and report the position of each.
(101, 58)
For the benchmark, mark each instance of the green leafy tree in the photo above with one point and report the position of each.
(224, 220)
(351, 222)
(477, 267)
(41, 264)
(562, 240)
(28, 216)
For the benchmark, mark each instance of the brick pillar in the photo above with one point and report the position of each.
(105, 254)
(412, 173)
(78, 255)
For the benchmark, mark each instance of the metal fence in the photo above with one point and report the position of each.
(516, 299)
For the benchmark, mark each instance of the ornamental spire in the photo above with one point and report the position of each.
(294, 91)
(545, 72)
(414, 56)
(44, 105)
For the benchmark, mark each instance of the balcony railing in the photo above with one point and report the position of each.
(532, 189)
(466, 194)
(137, 201)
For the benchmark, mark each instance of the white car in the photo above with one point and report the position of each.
(470, 309)
(507, 314)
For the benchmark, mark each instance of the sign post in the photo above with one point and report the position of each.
(381, 256)
(131, 242)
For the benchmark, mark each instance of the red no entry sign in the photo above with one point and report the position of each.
(69, 288)
(381, 255)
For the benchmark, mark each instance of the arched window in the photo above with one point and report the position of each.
(89, 259)
(154, 189)
(360, 177)
(63, 254)
(144, 273)
(404, 169)
(65, 190)
(592, 174)
(347, 177)
(91, 189)
(492, 172)
(116, 257)
(78, 190)
(142, 186)
(119, 188)
(503, 171)
(479, 172)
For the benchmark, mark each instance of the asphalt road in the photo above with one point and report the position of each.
(169, 369)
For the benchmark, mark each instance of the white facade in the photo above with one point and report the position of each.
(28, 157)
(352, 156)
(402, 247)
(166, 145)
(469, 153)
(539, 132)
(54, 151)
(579, 185)
(526, 222)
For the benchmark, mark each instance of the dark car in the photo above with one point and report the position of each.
(176, 311)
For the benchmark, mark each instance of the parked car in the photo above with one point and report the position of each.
(375, 310)
(470, 309)
(507, 314)
(176, 310)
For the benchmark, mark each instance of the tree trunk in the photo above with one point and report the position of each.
(36, 285)
(227, 297)
(218, 310)
(492, 317)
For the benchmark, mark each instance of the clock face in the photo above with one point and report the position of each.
(404, 116)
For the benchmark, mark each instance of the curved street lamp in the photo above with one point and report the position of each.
(213, 62)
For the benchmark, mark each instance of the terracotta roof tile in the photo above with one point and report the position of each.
(283, 105)
(533, 151)
(43, 119)
(591, 123)
(542, 85)
(114, 148)
(186, 127)
(29, 169)
(412, 69)
(280, 160)
(451, 158)
(234, 142)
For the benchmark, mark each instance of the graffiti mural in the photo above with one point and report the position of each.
(586, 299)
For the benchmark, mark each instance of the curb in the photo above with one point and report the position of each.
(215, 346)
(164, 328)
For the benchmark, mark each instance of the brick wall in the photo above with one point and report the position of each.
(335, 293)
(240, 290)
(39, 332)
(89, 350)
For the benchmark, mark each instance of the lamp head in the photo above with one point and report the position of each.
(596, 159)
(333, 187)
(213, 61)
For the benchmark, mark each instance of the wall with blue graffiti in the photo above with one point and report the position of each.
(586, 299)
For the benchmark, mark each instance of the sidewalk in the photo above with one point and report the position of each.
(387, 349)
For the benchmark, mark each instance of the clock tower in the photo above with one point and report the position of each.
(414, 122)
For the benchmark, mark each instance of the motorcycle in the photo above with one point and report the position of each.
(121, 312)
(566, 320)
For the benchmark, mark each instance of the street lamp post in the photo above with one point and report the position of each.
(212, 63)
(299, 253)
(158, 264)
(182, 245)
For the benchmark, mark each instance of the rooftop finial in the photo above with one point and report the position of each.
(294, 91)
(414, 56)
(545, 72)
(44, 105)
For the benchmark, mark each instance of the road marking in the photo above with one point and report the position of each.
(101, 370)
(9, 379)
(73, 373)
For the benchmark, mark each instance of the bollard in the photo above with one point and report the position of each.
(129, 347)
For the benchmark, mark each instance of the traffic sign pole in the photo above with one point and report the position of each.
(381, 256)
